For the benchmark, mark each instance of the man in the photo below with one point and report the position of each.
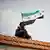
(21, 31)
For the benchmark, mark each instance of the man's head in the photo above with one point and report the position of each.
(21, 24)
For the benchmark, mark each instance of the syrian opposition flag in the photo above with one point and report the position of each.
(31, 15)
(31, 21)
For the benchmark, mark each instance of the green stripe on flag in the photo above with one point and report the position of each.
(28, 14)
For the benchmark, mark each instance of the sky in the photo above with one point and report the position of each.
(10, 17)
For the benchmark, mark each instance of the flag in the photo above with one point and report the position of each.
(38, 15)
(29, 14)
(32, 21)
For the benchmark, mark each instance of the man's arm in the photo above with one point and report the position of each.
(28, 22)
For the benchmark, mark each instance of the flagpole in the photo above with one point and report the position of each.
(22, 16)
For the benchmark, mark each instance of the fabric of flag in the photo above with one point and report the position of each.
(29, 14)
(27, 21)
(32, 21)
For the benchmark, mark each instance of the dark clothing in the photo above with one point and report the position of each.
(19, 33)
(28, 22)
(22, 33)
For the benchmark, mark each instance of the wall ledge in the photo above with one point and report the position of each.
(16, 41)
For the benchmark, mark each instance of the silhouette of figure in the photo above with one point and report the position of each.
(21, 31)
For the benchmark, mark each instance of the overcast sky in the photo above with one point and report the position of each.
(10, 17)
